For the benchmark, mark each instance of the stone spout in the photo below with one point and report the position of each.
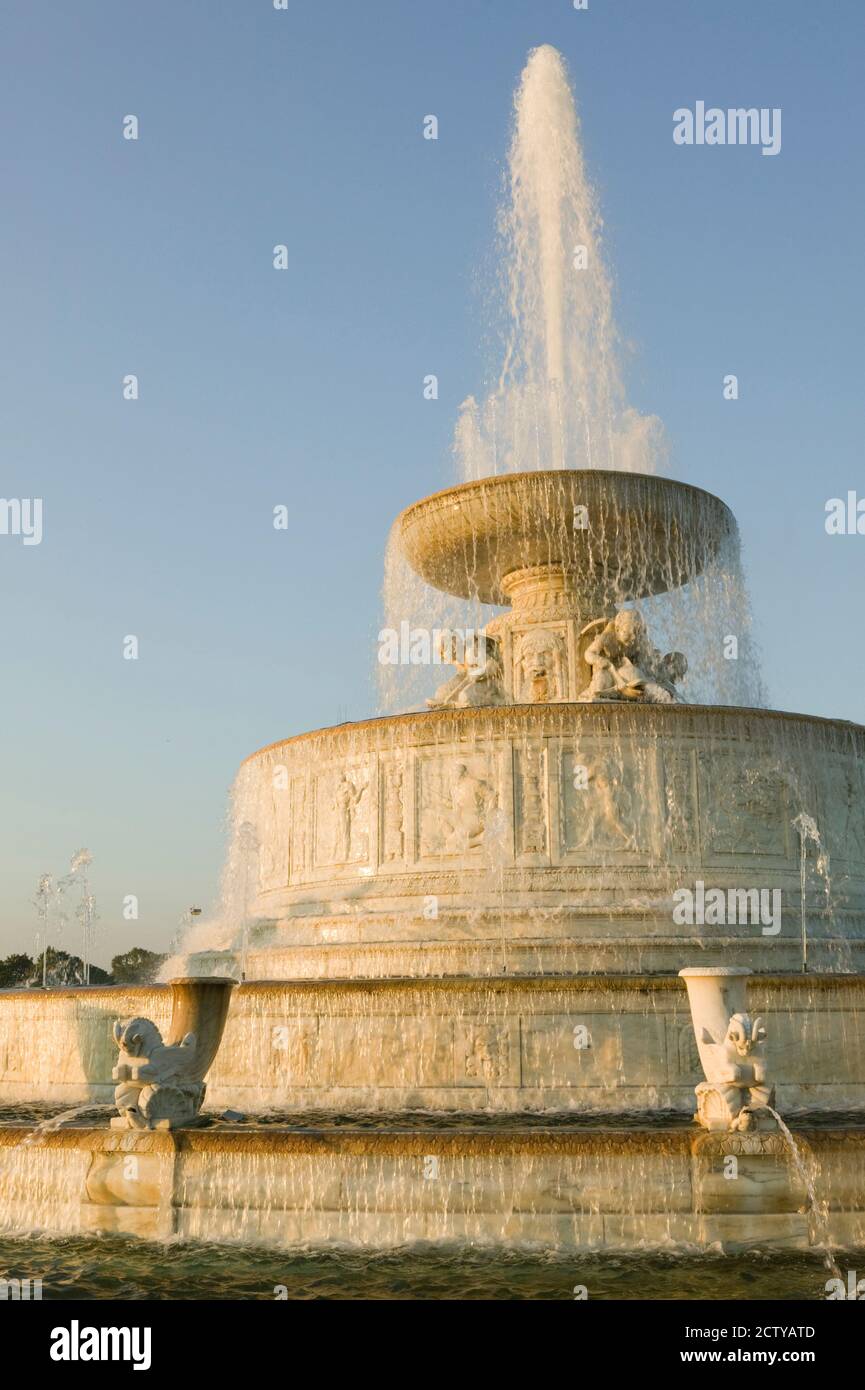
(731, 1044)
(200, 1006)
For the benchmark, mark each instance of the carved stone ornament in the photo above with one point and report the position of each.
(625, 665)
(736, 1095)
(155, 1089)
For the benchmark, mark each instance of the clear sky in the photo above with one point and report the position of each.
(304, 387)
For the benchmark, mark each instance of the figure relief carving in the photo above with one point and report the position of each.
(393, 814)
(470, 804)
(348, 842)
(625, 665)
(487, 1057)
(293, 1050)
(604, 814)
(540, 667)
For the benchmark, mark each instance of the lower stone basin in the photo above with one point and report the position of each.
(573, 1190)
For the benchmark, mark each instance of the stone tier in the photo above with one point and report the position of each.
(587, 1044)
(553, 838)
(567, 1190)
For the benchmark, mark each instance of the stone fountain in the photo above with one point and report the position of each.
(460, 929)
(472, 911)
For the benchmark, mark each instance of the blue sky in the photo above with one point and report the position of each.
(304, 387)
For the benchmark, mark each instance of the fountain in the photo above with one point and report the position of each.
(459, 930)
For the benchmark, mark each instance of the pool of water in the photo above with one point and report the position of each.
(410, 1121)
(111, 1267)
(98, 1116)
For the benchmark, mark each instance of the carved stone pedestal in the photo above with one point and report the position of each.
(542, 637)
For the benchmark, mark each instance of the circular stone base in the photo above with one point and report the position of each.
(556, 838)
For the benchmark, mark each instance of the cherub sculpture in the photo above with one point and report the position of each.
(478, 679)
(155, 1085)
(625, 665)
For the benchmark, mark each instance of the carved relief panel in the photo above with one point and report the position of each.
(841, 813)
(298, 833)
(745, 806)
(290, 1052)
(342, 816)
(457, 797)
(608, 803)
(679, 809)
(582, 1049)
(688, 1068)
(273, 832)
(488, 1054)
(392, 812)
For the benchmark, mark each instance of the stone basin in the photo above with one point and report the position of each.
(642, 534)
(581, 1191)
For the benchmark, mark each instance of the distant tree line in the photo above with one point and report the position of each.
(135, 967)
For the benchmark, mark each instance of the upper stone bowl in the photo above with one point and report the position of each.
(619, 535)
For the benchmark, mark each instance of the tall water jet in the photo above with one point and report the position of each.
(78, 879)
(559, 401)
